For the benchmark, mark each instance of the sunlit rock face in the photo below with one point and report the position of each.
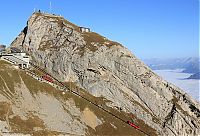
(104, 69)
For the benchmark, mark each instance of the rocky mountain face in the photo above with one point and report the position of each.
(2, 47)
(104, 70)
(33, 108)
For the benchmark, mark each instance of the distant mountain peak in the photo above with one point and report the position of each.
(195, 76)
(189, 65)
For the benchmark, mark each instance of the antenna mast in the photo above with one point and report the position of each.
(50, 6)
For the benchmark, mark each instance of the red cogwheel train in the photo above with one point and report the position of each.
(47, 78)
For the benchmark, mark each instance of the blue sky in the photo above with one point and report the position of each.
(149, 28)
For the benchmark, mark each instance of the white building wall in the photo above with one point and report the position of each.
(83, 29)
(23, 57)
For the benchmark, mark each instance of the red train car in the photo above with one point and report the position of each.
(133, 125)
(47, 78)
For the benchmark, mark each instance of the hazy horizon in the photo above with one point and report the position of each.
(176, 77)
(149, 28)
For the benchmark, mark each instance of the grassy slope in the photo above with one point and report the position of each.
(12, 76)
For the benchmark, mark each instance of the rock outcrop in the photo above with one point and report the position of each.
(108, 70)
(2, 48)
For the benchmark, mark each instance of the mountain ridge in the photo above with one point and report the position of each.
(107, 69)
(195, 76)
(188, 64)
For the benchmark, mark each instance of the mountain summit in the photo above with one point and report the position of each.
(119, 87)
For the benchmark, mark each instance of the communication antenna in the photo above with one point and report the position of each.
(50, 8)
(34, 9)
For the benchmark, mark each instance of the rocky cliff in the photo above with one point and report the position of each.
(34, 108)
(106, 69)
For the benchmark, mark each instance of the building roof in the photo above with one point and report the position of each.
(15, 50)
